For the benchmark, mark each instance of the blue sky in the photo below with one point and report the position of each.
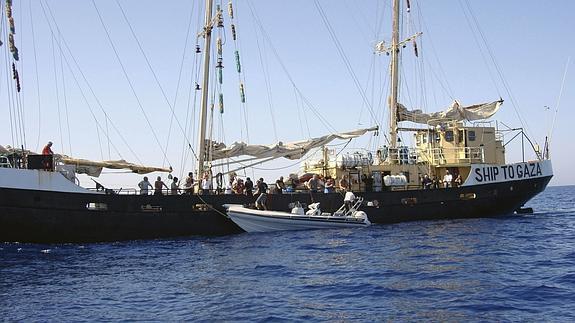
(530, 41)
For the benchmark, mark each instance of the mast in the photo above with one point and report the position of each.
(394, 76)
(205, 87)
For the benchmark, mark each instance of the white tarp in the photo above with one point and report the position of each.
(454, 112)
(292, 150)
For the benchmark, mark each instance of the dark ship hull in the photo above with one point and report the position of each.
(56, 217)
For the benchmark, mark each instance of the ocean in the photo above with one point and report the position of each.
(513, 268)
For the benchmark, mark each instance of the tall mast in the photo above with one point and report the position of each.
(205, 87)
(394, 76)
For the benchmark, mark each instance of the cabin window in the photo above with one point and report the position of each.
(449, 135)
(424, 138)
(96, 206)
(467, 196)
(460, 136)
(471, 135)
(418, 140)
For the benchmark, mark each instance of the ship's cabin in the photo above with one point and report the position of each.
(452, 147)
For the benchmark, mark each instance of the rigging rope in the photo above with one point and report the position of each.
(172, 110)
(497, 68)
(346, 61)
(76, 64)
(129, 81)
(550, 135)
(284, 68)
(267, 83)
(184, 150)
(56, 91)
(15, 100)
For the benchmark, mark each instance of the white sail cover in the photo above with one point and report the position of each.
(292, 150)
(455, 112)
(94, 168)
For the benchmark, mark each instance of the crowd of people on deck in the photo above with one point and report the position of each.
(447, 181)
(315, 184)
(237, 185)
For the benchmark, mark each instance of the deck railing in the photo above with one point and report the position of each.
(436, 156)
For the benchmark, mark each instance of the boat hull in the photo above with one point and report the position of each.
(270, 221)
(53, 217)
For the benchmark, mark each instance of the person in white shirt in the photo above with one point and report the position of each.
(348, 200)
(206, 183)
(447, 178)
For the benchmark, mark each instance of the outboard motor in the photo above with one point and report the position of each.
(361, 215)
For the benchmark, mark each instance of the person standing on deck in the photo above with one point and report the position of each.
(447, 179)
(262, 191)
(249, 187)
(158, 185)
(426, 182)
(458, 181)
(314, 184)
(343, 184)
(175, 187)
(143, 185)
(329, 186)
(189, 184)
(280, 185)
(207, 183)
(48, 154)
(368, 182)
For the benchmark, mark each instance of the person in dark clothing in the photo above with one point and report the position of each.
(262, 192)
(249, 187)
(158, 186)
(368, 181)
(280, 185)
(435, 182)
(426, 182)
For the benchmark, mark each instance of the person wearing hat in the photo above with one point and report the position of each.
(48, 149)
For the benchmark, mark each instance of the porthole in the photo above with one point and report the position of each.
(467, 196)
(409, 201)
(96, 206)
(151, 208)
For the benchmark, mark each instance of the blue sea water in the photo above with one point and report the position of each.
(514, 268)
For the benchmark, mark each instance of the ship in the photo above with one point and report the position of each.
(457, 169)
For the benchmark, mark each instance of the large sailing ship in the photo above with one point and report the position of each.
(464, 157)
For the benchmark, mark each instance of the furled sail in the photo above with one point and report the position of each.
(94, 168)
(292, 150)
(89, 167)
(455, 112)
